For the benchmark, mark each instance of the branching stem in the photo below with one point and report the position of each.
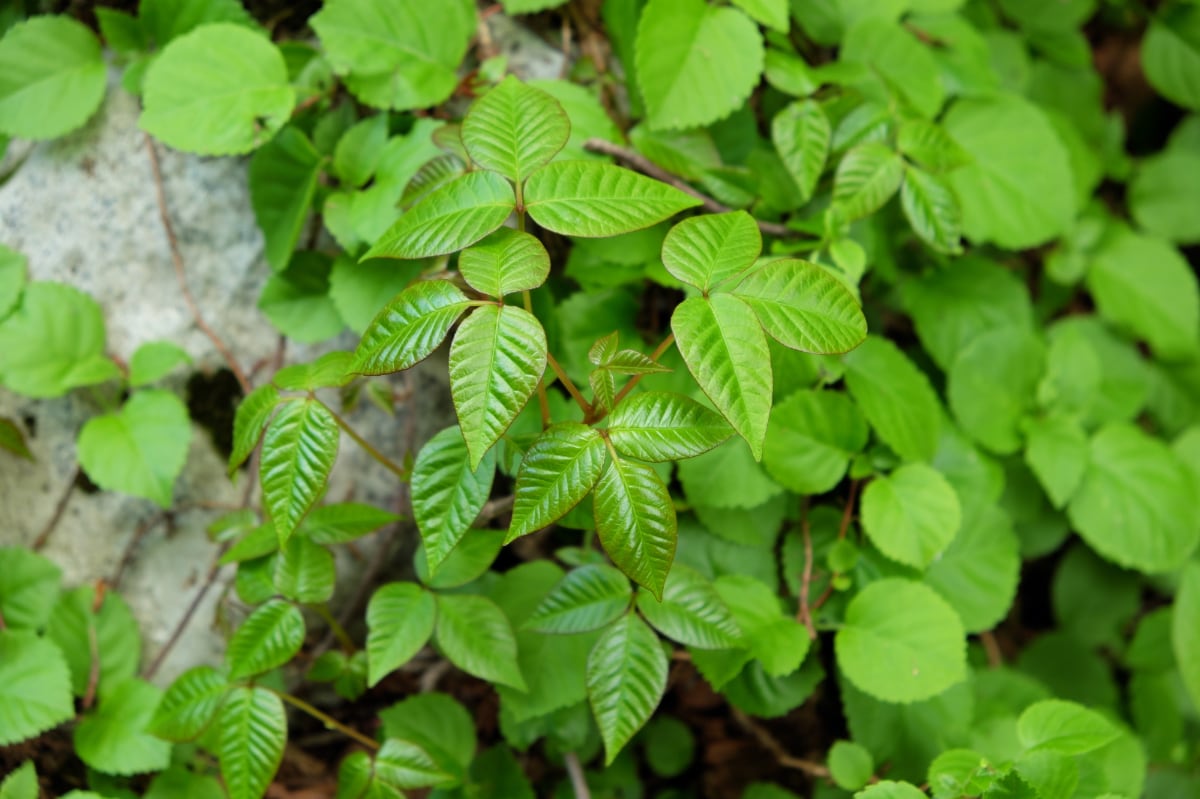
(624, 392)
(569, 385)
(339, 631)
(367, 447)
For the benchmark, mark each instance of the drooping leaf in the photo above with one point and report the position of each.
(505, 262)
(497, 359)
(726, 351)
(626, 678)
(1134, 505)
(866, 179)
(253, 733)
(251, 419)
(283, 180)
(515, 129)
(657, 426)
(139, 450)
(35, 686)
(801, 133)
(299, 449)
(802, 306)
(189, 705)
(154, 360)
(52, 77)
(557, 472)
(269, 637)
(12, 439)
(410, 327)
(28, 588)
(447, 494)
(221, 89)
(13, 277)
(115, 738)
(691, 612)
(589, 199)
(474, 634)
(449, 218)
(473, 555)
(635, 521)
(901, 642)
(587, 598)
(695, 63)
(704, 251)
(1171, 54)
(1068, 728)
(811, 438)
(895, 396)
(932, 210)
(400, 620)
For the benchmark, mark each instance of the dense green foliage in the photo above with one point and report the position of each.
(926, 321)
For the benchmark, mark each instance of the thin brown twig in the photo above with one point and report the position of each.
(494, 508)
(768, 742)
(648, 167)
(181, 274)
(568, 384)
(60, 507)
(663, 346)
(329, 721)
(575, 772)
(848, 512)
(992, 647)
(367, 446)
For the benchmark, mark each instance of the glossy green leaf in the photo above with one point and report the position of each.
(726, 351)
(449, 218)
(901, 642)
(587, 598)
(304, 571)
(331, 370)
(1067, 728)
(35, 686)
(932, 210)
(253, 732)
(657, 426)
(473, 555)
(505, 262)
(695, 63)
(866, 179)
(802, 306)
(626, 679)
(979, 571)
(992, 385)
(894, 54)
(75, 623)
(497, 359)
(269, 637)
(115, 738)
(394, 53)
(447, 493)
(1185, 631)
(141, 449)
(189, 705)
(474, 634)
(1134, 505)
(557, 472)
(154, 360)
(68, 326)
(635, 521)
(410, 327)
(801, 133)
(514, 129)
(283, 181)
(811, 438)
(28, 588)
(299, 449)
(251, 419)
(1171, 54)
(691, 612)
(403, 764)
(704, 251)
(221, 89)
(589, 199)
(400, 620)
(1056, 449)
(895, 396)
(52, 77)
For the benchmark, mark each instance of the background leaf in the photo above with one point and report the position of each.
(866, 179)
(28, 588)
(115, 738)
(474, 635)
(626, 678)
(895, 396)
(811, 438)
(912, 514)
(283, 181)
(400, 619)
(1171, 54)
(932, 210)
(801, 133)
(34, 684)
(52, 77)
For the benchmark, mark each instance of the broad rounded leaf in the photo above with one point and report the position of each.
(1056, 449)
(1017, 191)
(889, 789)
(514, 129)
(695, 63)
(409, 328)
(1164, 196)
(802, 306)
(896, 398)
(505, 262)
(850, 765)
(811, 438)
(115, 738)
(590, 198)
(251, 418)
(635, 521)
(497, 359)
(557, 472)
(993, 384)
(141, 449)
(52, 77)
(28, 588)
(475, 635)
(35, 686)
(154, 360)
(438, 724)
(912, 514)
(706, 250)
(1185, 630)
(657, 426)
(587, 598)
(901, 642)
(1055, 725)
(253, 733)
(726, 351)
(269, 637)
(403, 764)
(220, 90)
(866, 179)
(932, 210)
(801, 133)
(772, 636)
(449, 218)
(1136, 504)
(298, 453)
(978, 573)
(190, 704)
(626, 679)
(283, 180)
(75, 623)
(1171, 54)
(691, 612)
(400, 619)
(447, 494)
